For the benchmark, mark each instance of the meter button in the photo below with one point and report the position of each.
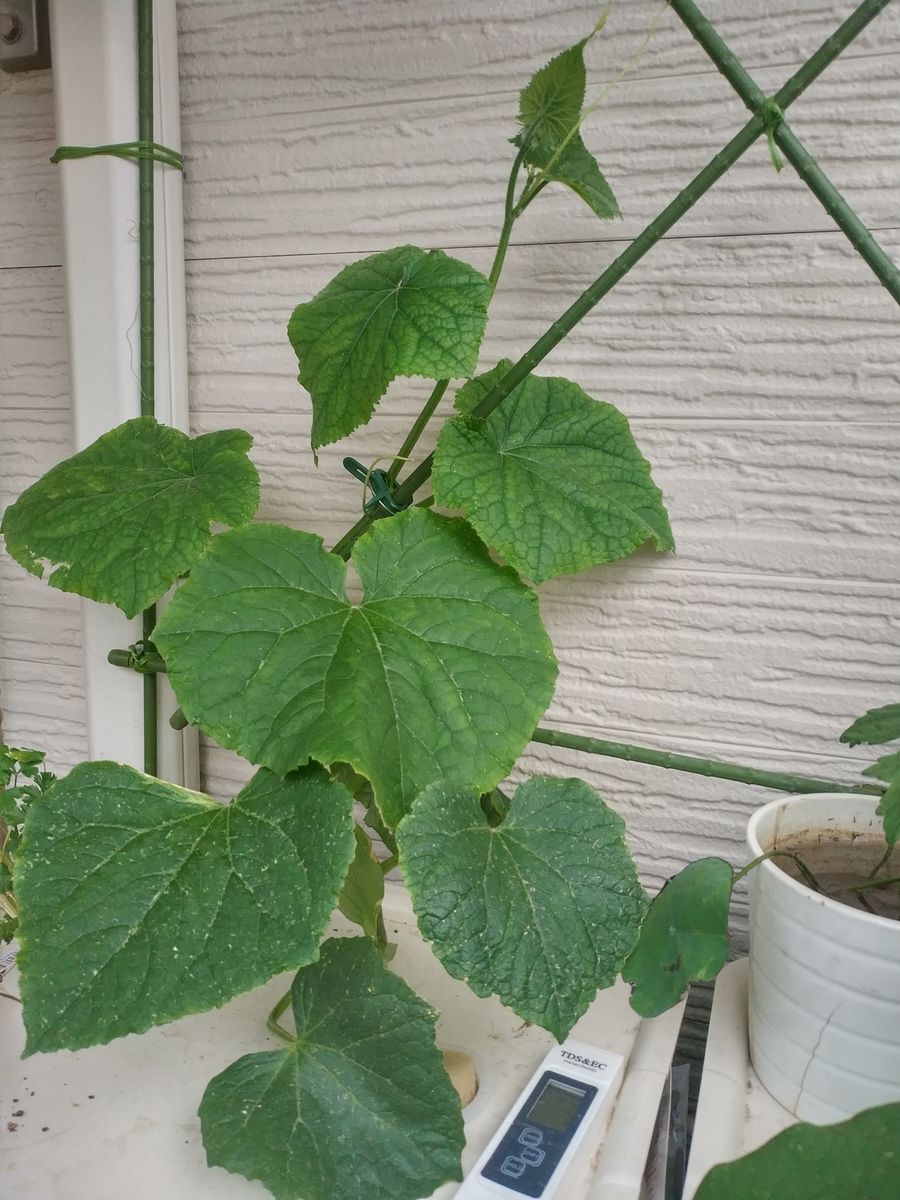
(513, 1166)
(532, 1156)
(530, 1137)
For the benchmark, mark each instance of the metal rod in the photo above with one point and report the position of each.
(673, 212)
(862, 240)
(778, 780)
(146, 168)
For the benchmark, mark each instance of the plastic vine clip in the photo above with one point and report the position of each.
(381, 486)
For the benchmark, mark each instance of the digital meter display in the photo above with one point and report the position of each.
(556, 1105)
(539, 1135)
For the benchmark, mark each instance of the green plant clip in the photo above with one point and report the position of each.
(380, 484)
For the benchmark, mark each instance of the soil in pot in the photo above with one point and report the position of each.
(839, 863)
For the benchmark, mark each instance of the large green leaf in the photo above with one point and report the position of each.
(855, 1160)
(875, 727)
(550, 113)
(125, 517)
(542, 909)
(442, 672)
(552, 479)
(684, 936)
(887, 769)
(142, 901)
(359, 1107)
(402, 312)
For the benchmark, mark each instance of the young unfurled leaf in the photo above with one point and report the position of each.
(541, 910)
(552, 479)
(442, 672)
(875, 727)
(142, 902)
(684, 936)
(887, 769)
(363, 890)
(550, 111)
(123, 519)
(358, 1107)
(576, 167)
(857, 1158)
(402, 312)
(550, 103)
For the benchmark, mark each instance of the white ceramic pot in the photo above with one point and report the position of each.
(824, 977)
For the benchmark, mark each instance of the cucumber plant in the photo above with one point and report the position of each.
(178, 903)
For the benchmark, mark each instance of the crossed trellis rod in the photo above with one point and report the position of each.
(768, 115)
(767, 118)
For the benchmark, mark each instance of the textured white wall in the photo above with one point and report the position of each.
(755, 355)
(41, 676)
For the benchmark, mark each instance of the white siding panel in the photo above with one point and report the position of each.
(41, 681)
(30, 230)
(770, 328)
(365, 178)
(278, 56)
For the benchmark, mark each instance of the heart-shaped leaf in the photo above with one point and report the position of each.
(442, 672)
(142, 902)
(856, 1158)
(875, 727)
(542, 909)
(358, 1107)
(123, 519)
(402, 312)
(684, 936)
(552, 479)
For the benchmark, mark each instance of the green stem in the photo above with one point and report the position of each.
(875, 883)
(381, 937)
(146, 169)
(510, 212)
(388, 864)
(795, 152)
(889, 850)
(808, 878)
(644, 242)
(753, 776)
(418, 428)
(272, 1020)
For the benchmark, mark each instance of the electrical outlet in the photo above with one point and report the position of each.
(24, 35)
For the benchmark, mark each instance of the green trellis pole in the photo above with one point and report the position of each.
(633, 253)
(779, 780)
(861, 238)
(146, 167)
(767, 117)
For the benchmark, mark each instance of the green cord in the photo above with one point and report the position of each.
(772, 116)
(140, 150)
